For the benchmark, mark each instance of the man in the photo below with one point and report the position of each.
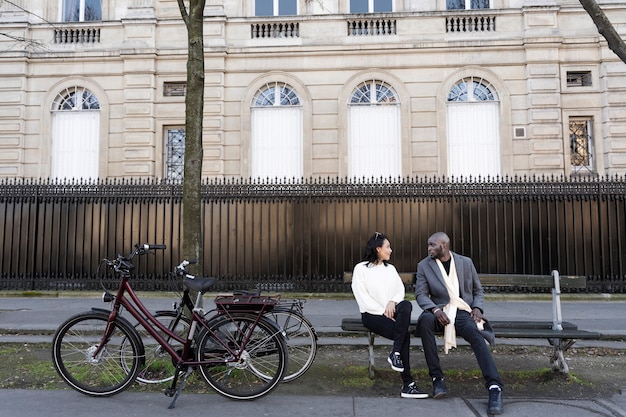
(449, 291)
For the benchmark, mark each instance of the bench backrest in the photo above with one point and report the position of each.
(407, 277)
(506, 280)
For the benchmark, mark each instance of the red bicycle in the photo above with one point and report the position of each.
(239, 352)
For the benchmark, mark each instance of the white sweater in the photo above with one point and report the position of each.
(374, 286)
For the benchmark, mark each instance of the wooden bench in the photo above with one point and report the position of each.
(561, 335)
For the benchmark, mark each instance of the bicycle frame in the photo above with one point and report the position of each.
(138, 310)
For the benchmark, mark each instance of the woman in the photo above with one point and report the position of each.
(379, 292)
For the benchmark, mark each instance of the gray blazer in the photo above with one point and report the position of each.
(430, 288)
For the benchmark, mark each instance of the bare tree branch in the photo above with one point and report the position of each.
(183, 12)
(606, 29)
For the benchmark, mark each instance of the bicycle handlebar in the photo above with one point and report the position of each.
(182, 268)
(148, 246)
(124, 264)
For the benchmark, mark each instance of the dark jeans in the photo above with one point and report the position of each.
(397, 330)
(428, 326)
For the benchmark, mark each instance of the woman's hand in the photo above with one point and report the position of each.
(390, 310)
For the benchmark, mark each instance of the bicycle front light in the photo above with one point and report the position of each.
(107, 297)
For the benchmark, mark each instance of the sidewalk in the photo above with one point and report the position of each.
(28, 403)
(35, 319)
(43, 315)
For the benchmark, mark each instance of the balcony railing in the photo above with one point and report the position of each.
(473, 23)
(77, 35)
(371, 27)
(275, 30)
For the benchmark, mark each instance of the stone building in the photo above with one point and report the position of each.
(312, 88)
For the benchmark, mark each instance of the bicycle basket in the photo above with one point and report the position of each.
(242, 302)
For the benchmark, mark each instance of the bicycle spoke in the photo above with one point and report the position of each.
(253, 367)
(112, 370)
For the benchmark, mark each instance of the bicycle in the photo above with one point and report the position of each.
(100, 353)
(300, 335)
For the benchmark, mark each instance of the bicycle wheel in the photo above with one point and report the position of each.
(301, 341)
(158, 366)
(112, 370)
(239, 360)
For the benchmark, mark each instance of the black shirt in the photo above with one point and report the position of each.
(446, 265)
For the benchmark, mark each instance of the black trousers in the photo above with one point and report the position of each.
(428, 326)
(397, 330)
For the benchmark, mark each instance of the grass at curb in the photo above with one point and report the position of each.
(31, 367)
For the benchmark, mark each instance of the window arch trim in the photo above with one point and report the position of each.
(74, 99)
(276, 94)
(472, 88)
(373, 92)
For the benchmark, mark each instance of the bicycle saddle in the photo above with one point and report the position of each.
(199, 284)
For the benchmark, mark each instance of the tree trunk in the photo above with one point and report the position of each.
(606, 29)
(194, 111)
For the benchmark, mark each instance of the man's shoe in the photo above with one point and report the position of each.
(411, 391)
(495, 405)
(439, 388)
(395, 361)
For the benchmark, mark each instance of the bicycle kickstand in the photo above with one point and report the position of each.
(180, 387)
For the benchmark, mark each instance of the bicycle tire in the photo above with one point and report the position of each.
(265, 353)
(301, 341)
(113, 370)
(158, 367)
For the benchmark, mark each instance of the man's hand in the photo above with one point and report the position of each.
(477, 315)
(390, 310)
(441, 317)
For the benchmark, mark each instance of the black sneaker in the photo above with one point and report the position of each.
(395, 361)
(439, 388)
(411, 391)
(495, 405)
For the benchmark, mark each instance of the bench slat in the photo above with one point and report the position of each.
(505, 329)
(499, 326)
(539, 281)
(545, 334)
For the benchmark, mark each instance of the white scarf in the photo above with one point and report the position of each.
(456, 302)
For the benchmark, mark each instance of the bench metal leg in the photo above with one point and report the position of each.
(558, 355)
(370, 347)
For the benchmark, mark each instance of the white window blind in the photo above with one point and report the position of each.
(374, 142)
(276, 150)
(75, 138)
(473, 139)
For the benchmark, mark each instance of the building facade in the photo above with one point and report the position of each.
(95, 89)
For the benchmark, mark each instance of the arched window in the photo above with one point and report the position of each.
(75, 134)
(374, 131)
(276, 122)
(473, 126)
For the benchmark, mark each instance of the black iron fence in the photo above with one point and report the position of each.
(302, 235)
